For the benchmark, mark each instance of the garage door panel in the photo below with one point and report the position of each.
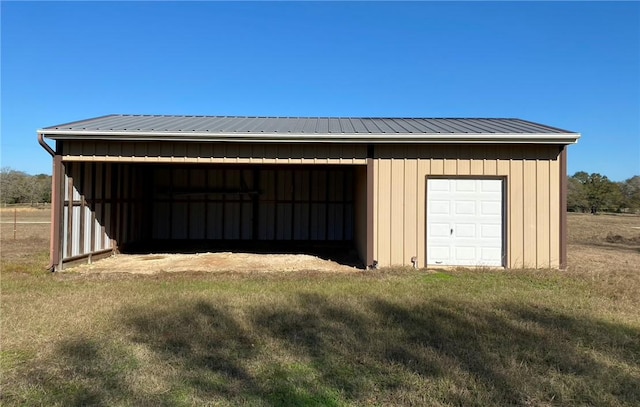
(462, 185)
(470, 234)
(439, 230)
(440, 207)
(490, 207)
(490, 185)
(465, 230)
(440, 254)
(489, 254)
(439, 185)
(490, 231)
(465, 208)
(465, 253)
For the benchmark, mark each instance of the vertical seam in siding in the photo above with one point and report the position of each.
(206, 203)
(171, 201)
(522, 211)
(326, 203)
(549, 249)
(115, 181)
(402, 207)
(69, 236)
(505, 218)
(92, 245)
(370, 217)
(103, 216)
(417, 199)
(390, 214)
(132, 204)
(81, 237)
(563, 207)
(536, 212)
(189, 186)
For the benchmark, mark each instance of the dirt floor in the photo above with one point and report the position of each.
(212, 262)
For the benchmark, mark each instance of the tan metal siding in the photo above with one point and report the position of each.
(397, 217)
(554, 213)
(476, 167)
(530, 212)
(489, 166)
(543, 255)
(424, 167)
(532, 204)
(223, 153)
(410, 202)
(384, 214)
(464, 166)
(515, 213)
(360, 209)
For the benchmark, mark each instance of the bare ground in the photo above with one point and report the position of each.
(211, 262)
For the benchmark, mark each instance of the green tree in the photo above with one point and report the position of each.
(600, 193)
(576, 196)
(19, 187)
(631, 193)
(42, 188)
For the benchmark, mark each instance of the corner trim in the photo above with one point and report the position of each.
(370, 212)
(563, 208)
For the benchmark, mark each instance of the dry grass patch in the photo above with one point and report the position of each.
(211, 262)
(610, 265)
(29, 251)
(390, 337)
(597, 229)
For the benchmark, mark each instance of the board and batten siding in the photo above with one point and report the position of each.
(532, 206)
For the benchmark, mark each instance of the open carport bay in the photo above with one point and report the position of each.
(153, 208)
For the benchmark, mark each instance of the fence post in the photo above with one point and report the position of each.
(15, 212)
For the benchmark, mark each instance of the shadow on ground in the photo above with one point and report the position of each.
(319, 350)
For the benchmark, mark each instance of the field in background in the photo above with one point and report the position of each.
(29, 251)
(389, 337)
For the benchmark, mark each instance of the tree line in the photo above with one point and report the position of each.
(596, 193)
(586, 192)
(18, 187)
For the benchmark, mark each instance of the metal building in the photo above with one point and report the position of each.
(399, 191)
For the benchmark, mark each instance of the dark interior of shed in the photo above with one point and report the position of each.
(248, 208)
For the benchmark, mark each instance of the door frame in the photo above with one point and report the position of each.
(505, 213)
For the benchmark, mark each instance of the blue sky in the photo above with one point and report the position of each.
(573, 65)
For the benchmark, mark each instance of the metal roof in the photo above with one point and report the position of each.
(308, 129)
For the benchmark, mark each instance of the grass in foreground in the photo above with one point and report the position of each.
(398, 337)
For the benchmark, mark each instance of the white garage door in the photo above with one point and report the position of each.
(464, 222)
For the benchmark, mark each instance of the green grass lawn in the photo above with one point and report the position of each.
(383, 338)
(388, 337)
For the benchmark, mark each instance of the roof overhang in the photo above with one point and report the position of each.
(355, 138)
